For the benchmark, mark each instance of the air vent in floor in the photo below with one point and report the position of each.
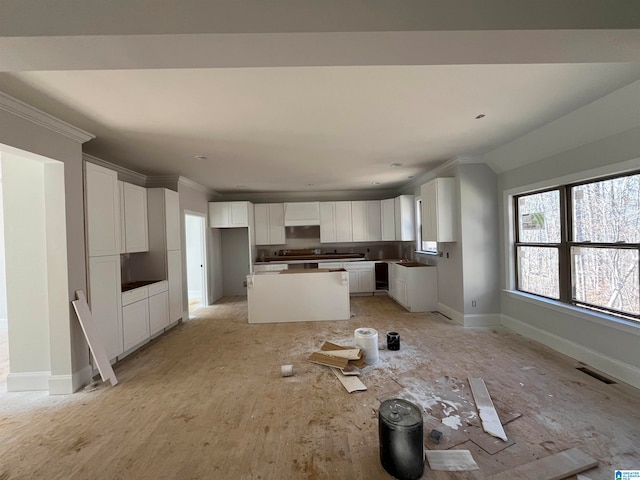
(595, 375)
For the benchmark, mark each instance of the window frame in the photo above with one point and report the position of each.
(567, 243)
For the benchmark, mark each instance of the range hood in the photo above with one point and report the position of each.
(301, 214)
(303, 231)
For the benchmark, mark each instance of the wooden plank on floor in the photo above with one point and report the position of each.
(349, 353)
(350, 383)
(554, 467)
(490, 420)
(322, 359)
(451, 460)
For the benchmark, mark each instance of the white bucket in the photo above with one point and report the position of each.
(367, 340)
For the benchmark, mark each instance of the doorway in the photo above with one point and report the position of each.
(195, 236)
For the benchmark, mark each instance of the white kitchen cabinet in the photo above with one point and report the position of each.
(135, 317)
(361, 277)
(405, 218)
(158, 311)
(366, 221)
(102, 207)
(134, 218)
(229, 214)
(335, 222)
(438, 210)
(301, 213)
(269, 223)
(174, 276)
(171, 201)
(105, 301)
(271, 267)
(388, 220)
(414, 287)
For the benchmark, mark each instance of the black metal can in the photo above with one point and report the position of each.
(393, 341)
(401, 434)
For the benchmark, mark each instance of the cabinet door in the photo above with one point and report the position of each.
(102, 202)
(261, 212)
(238, 214)
(174, 276)
(276, 223)
(388, 221)
(359, 221)
(405, 218)
(158, 312)
(218, 214)
(429, 211)
(123, 239)
(401, 291)
(374, 227)
(135, 218)
(354, 281)
(328, 222)
(366, 280)
(392, 279)
(172, 219)
(344, 227)
(135, 323)
(105, 299)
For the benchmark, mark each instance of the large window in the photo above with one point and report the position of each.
(580, 244)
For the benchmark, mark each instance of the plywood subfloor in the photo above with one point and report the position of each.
(207, 401)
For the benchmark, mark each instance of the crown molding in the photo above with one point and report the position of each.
(32, 114)
(311, 196)
(162, 181)
(196, 186)
(124, 174)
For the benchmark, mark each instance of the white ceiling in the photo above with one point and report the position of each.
(312, 108)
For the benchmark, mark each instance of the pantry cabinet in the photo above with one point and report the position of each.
(102, 207)
(438, 210)
(133, 218)
(105, 302)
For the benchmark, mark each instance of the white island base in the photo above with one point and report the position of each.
(298, 296)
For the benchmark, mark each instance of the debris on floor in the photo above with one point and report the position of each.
(486, 410)
(560, 465)
(344, 362)
(350, 383)
(451, 460)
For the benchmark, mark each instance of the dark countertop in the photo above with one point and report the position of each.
(329, 256)
(137, 284)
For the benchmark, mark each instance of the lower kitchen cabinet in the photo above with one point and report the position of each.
(174, 276)
(105, 301)
(135, 323)
(361, 276)
(158, 312)
(414, 287)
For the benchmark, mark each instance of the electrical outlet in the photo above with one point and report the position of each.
(244, 284)
(473, 303)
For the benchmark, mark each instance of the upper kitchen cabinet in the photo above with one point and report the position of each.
(134, 226)
(164, 220)
(388, 221)
(171, 201)
(269, 223)
(438, 210)
(229, 214)
(405, 218)
(335, 222)
(301, 213)
(366, 218)
(102, 203)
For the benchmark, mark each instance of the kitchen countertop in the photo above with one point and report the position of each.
(328, 256)
(137, 284)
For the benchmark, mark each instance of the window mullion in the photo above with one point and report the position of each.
(564, 250)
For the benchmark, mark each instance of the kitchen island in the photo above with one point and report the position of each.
(298, 295)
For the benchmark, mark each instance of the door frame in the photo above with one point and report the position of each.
(204, 301)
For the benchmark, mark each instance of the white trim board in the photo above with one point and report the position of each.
(620, 370)
(471, 320)
(27, 382)
(61, 385)
(82, 377)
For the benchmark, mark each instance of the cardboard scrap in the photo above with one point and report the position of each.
(332, 347)
(451, 460)
(351, 384)
(322, 359)
(348, 353)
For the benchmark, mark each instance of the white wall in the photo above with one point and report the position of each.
(68, 362)
(235, 260)
(603, 342)
(3, 284)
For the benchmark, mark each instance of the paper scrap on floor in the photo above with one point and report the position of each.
(451, 460)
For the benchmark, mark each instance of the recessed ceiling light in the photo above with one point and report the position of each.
(482, 115)
(200, 157)
(375, 183)
(396, 165)
(241, 186)
(411, 176)
(309, 185)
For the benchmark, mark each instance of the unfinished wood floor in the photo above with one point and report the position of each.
(206, 401)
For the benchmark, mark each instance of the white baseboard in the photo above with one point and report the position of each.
(28, 382)
(620, 370)
(61, 385)
(473, 320)
(82, 378)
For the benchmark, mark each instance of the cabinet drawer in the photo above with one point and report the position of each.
(135, 295)
(158, 287)
(330, 265)
(359, 265)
